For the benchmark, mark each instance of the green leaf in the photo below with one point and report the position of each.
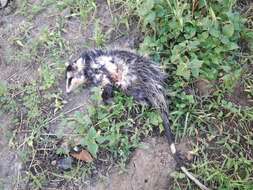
(190, 31)
(193, 44)
(150, 18)
(154, 118)
(84, 141)
(232, 46)
(62, 151)
(190, 99)
(3, 88)
(145, 7)
(195, 65)
(177, 175)
(96, 96)
(228, 30)
(182, 70)
(214, 31)
(93, 148)
(91, 110)
(92, 133)
(203, 36)
(101, 139)
(231, 79)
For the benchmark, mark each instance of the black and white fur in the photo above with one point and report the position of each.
(135, 75)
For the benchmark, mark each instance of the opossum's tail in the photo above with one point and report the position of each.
(152, 86)
(169, 135)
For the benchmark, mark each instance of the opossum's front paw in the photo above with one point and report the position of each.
(107, 92)
(108, 101)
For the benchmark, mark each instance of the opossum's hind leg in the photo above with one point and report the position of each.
(107, 94)
(139, 96)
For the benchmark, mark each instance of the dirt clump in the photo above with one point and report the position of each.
(149, 169)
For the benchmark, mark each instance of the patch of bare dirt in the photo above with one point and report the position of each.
(204, 87)
(17, 74)
(10, 164)
(239, 96)
(77, 101)
(148, 169)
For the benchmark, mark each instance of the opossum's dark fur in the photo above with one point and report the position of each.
(135, 75)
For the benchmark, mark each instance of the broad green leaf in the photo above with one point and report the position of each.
(91, 110)
(231, 79)
(203, 36)
(92, 133)
(214, 30)
(190, 31)
(84, 141)
(145, 7)
(96, 96)
(195, 65)
(193, 44)
(182, 70)
(149, 18)
(228, 30)
(232, 46)
(101, 139)
(154, 118)
(93, 148)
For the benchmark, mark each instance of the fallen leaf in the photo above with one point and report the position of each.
(83, 155)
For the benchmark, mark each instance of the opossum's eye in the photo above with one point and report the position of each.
(69, 68)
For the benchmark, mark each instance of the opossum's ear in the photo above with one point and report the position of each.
(80, 64)
(67, 64)
(69, 61)
(69, 67)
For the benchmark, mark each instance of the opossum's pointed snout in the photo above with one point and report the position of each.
(68, 87)
(68, 91)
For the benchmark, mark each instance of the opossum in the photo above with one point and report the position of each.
(134, 75)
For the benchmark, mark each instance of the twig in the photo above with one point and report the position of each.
(65, 113)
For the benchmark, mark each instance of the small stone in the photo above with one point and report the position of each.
(54, 162)
(76, 149)
(65, 163)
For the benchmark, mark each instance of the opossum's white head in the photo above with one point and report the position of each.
(75, 74)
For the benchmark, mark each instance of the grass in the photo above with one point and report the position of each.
(194, 41)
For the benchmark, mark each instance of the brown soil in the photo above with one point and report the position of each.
(148, 169)
(10, 163)
(239, 96)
